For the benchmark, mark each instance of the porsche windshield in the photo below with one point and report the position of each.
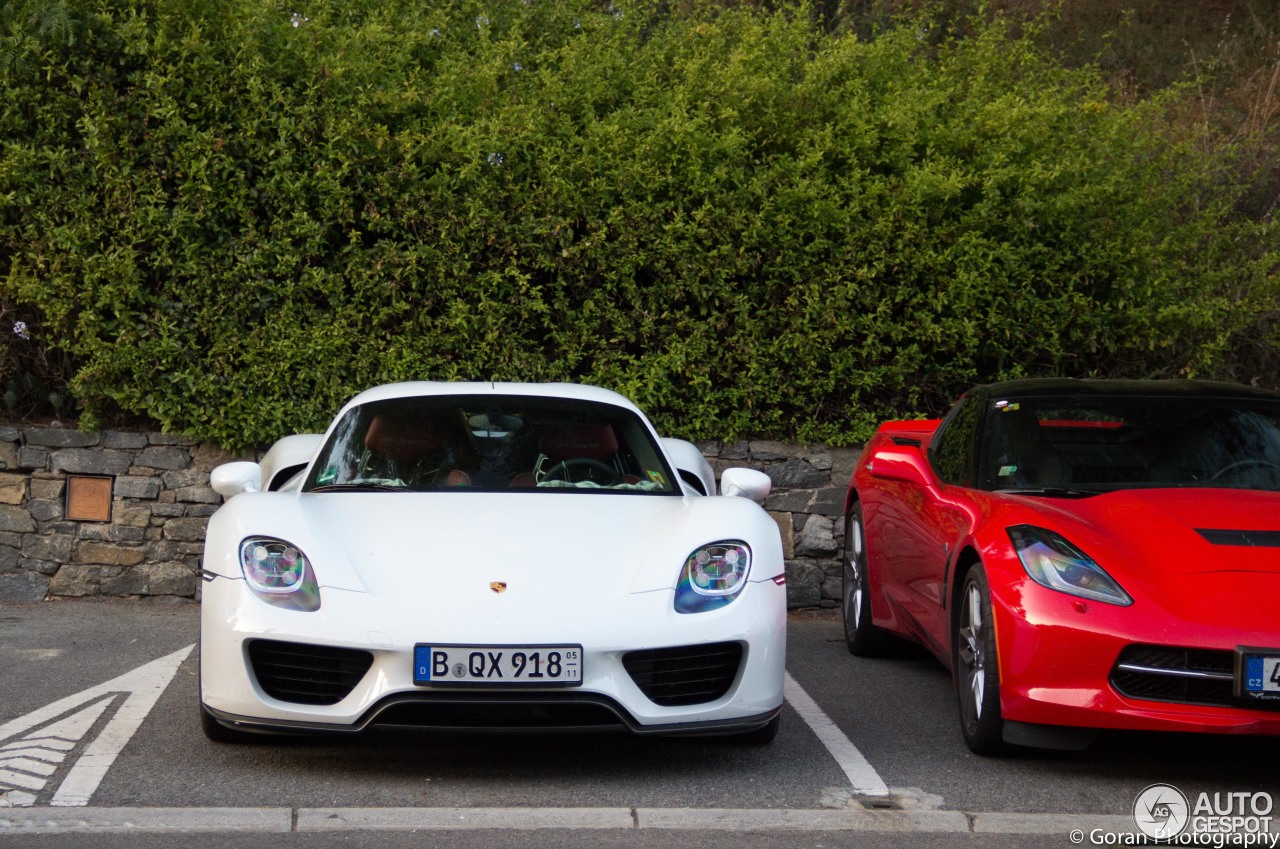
(490, 443)
(1082, 444)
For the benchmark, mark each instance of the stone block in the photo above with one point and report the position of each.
(9, 455)
(164, 457)
(48, 489)
(733, 451)
(198, 495)
(16, 520)
(797, 474)
(170, 439)
(109, 554)
(44, 511)
(8, 558)
(829, 501)
(709, 447)
(817, 539)
(132, 514)
(787, 531)
(152, 579)
(166, 510)
(44, 567)
(52, 437)
(207, 457)
(33, 458)
(202, 510)
(57, 547)
(186, 529)
(111, 533)
(135, 486)
(97, 461)
(768, 451)
(13, 488)
(789, 501)
(76, 580)
(19, 587)
(124, 439)
(9, 434)
(186, 477)
(804, 583)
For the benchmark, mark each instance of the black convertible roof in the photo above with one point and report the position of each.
(1105, 386)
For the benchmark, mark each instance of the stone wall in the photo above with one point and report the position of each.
(161, 502)
(807, 502)
(151, 546)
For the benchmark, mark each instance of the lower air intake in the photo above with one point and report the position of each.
(685, 675)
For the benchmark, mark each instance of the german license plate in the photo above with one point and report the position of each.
(1258, 674)
(557, 665)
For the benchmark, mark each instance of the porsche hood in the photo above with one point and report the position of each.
(456, 545)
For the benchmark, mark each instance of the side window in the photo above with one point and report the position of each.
(952, 451)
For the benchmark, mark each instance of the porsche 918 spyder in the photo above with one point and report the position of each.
(491, 557)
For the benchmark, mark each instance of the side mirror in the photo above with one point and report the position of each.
(901, 463)
(234, 478)
(746, 483)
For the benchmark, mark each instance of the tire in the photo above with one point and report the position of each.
(977, 674)
(862, 638)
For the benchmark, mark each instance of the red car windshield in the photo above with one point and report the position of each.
(1100, 443)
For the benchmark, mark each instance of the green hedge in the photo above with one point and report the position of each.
(232, 215)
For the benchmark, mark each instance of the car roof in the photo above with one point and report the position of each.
(1180, 387)
(423, 388)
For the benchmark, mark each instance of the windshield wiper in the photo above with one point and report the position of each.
(1050, 491)
(357, 487)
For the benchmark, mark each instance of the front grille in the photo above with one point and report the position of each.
(684, 675)
(457, 711)
(306, 674)
(1166, 674)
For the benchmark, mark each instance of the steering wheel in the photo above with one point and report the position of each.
(1245, 464)
(560, 471)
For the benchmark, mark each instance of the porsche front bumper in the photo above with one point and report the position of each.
(610, 697)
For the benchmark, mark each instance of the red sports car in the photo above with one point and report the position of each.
(1082, 554)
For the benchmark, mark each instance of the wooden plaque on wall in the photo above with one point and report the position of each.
(89, 498)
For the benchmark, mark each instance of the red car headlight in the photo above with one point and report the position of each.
(1053, 562)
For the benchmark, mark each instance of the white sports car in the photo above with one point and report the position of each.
(495, 557)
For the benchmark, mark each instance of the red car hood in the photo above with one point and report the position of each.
(1151, 542)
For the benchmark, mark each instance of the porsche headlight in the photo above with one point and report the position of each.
(712, 576)
(1053, 562)
(279, 573)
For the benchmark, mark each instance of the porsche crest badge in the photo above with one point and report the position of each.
(498, 586)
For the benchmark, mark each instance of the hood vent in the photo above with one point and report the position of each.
(1257, 539)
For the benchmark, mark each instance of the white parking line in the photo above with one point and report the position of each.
(864, 778)
(20, 785)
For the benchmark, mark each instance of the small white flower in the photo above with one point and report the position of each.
(20, 330)
(495, 159)
(298, 20)
(517, 67)
(481, 21)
